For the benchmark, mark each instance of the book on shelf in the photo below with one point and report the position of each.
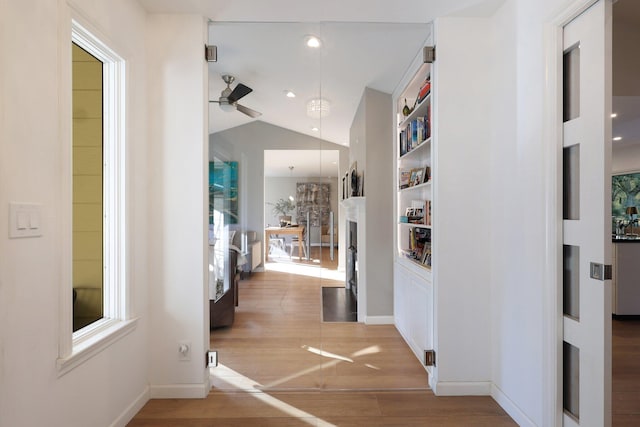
(425, 89)
(419, 243)
(414, 133)
(403, 142)
(427, 212)
(426, 255)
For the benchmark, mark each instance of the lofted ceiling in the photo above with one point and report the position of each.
(365, 43)
(304, 163)
(272, 58)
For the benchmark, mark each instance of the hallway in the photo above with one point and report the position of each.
(280, 365)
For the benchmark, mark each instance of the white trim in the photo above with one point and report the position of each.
(379, 320)
(179, 391)
(94, 344)
(510, 407)
(131, 410)
(552, 329)
(466, 388)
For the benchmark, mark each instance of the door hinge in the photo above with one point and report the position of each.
(212, 359)
(211, 53)
(428, 54)
(430, 358)
(600, 271)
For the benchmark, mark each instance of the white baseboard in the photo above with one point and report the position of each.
(379, 320)
(130, 412)
(479, 388)
(179, 391)
(510, 407)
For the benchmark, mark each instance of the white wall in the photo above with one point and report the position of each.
(517, 229)
(370, 136)
(35, 140)
(522, 340)
(246, 144)
(177, 80)
(463, 106)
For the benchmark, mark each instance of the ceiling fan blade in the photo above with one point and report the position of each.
(237, 93)
(248, 111)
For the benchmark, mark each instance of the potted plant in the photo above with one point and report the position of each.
(282, 208)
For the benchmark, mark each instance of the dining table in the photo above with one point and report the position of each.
(290, 230)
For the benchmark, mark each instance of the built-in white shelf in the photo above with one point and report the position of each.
(424, 145)
(423, 186)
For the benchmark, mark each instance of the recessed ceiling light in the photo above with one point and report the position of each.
(315, 129)
(289, 94)
(617, 138)
(312, 41)
(613, 115)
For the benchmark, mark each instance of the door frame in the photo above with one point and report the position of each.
(552, 404)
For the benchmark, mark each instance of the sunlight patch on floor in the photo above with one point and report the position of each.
(326, 354)
(243, 383)
(305, 270)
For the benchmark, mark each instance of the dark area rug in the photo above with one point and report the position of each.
(339, 305)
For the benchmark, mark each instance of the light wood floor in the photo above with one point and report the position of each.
(626, 373)
(280, 365)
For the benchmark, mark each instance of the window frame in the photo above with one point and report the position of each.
(76, 347)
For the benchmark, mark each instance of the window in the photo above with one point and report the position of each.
(98, 271)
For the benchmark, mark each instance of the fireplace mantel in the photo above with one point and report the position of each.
(354, 208)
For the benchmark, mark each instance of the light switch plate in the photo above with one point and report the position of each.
(24, 220)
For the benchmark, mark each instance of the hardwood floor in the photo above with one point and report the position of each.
(280, 365)
(625, 398)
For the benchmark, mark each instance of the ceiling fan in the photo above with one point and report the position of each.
(229, 98)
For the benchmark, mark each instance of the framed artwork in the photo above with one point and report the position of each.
(314, 198)
(352, 180)
(404, 177)
(416, 177)
(625, 192)
(223, 191)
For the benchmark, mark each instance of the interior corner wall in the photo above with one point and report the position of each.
(177, 82)
(379, 190)
(108, 388)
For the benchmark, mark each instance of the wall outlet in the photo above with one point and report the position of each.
(184, 351)
(212, 359)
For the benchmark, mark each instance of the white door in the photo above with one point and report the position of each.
(587, 217)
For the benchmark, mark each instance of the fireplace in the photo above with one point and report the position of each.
(352, 257)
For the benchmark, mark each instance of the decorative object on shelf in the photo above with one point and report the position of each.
(406, 110)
